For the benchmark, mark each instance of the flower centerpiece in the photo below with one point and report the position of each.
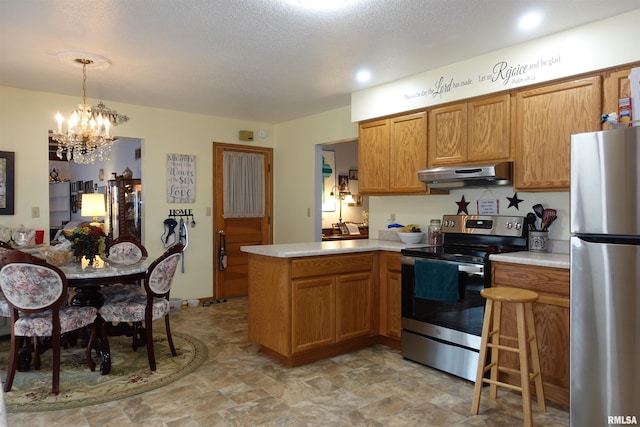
(89, 241)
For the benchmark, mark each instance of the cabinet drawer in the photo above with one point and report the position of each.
(540, 279)
(331, 264)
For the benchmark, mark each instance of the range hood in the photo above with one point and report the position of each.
(467, 176)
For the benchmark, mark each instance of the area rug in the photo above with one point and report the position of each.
(130, 374)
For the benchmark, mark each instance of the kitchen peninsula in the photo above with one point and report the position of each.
(309, 301)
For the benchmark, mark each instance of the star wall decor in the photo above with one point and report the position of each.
(514, 201)
(462, 206)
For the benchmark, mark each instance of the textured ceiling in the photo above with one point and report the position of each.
(262, 60)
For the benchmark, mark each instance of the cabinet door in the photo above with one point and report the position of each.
(393, 304)
(616, 85)
(448, 135)
(408, 152)
(312, 313)
(551, 315)
(489, 129)
(354, 296)
(390, 275)
(373, 157)
(547, 116)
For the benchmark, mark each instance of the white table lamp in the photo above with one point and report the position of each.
(93, 205)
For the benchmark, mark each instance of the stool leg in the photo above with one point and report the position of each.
(486, 326)
(524, 365)
(535, 358)
(495, 350)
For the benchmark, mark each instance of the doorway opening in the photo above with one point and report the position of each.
(338, 216)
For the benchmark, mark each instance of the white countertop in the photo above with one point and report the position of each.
(547, 259)
(292, 250)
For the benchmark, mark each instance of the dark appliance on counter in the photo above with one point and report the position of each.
(446, 334)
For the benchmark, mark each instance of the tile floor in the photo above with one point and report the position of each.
(239, 386)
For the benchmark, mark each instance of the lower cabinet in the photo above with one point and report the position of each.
(390, 288)
(309, 308)
(330, 309)
(551, 314)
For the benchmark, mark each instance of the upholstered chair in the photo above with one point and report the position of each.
(37, 295)
(153, 305)
(126, 250)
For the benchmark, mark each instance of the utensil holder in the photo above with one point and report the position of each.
(538, 241)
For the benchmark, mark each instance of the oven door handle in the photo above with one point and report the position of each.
(472, 269)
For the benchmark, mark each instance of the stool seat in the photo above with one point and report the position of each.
(506, 294)
(525, 344)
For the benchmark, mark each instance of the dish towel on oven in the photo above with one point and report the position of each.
(437, 281)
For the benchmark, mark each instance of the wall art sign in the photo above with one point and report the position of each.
(573, 52)
(181, 178)
(7, 182)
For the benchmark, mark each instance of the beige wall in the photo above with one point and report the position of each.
(295, 186)
(27, 116)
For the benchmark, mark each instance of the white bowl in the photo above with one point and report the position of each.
(194, 303)
(411, 237)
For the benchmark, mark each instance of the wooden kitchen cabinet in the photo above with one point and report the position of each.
(390, 298)
(390, 153)
(551, 314)
(448, 135)
(616, 85)
(546, 117)
(313, 313)
(308, 308)
(471, 132)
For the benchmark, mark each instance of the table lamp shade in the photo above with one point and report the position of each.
(93, 205)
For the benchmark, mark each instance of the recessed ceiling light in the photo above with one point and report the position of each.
(530, 20)
(322, 4)
(363, 76)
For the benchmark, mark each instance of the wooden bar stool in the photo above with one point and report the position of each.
(493, 339)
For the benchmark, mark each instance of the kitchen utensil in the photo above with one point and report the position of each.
(531, 221)
(538, 209)
(548, 216)
(548, 224)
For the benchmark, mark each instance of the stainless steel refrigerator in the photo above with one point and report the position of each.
(605, 278)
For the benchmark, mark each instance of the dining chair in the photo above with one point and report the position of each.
(147, 308)
(37, 296)
(124, 250)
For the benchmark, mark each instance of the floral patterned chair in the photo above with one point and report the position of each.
(126, 250)
(153, 305)
(37, 293)
(5, 249)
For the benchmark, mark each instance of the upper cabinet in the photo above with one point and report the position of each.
(546, 118)
(470, 132)
(390, 153)
(616, 85)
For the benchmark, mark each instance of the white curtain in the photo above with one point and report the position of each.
(243, 193)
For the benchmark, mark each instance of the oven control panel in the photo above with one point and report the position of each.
(497, 225)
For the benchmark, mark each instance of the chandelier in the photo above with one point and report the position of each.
(87, 136)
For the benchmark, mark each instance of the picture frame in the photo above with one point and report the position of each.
(7, 182)
(343, 183)
(353, 174)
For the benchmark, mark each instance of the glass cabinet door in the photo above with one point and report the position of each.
(124, 208)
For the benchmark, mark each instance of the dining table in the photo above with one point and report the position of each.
(88, 278)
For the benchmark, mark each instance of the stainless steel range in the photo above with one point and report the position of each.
(445, 334)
